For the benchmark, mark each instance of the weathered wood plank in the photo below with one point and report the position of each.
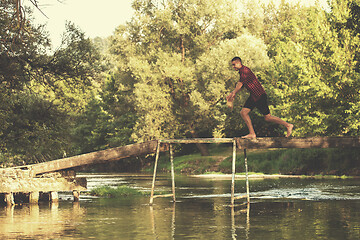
(150, 147)
(198, 140)
(42, 184)
(312, 142)
(112, 154)
(163, 196)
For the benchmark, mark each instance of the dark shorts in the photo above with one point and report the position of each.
(261, 104)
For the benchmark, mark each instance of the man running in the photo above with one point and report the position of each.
(257, 99)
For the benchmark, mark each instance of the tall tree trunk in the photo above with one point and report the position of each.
(202, 147)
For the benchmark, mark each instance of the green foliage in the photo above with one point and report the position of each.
(108, 118)
(271, 161)
(33, 128)
(40, 91)
(193, 163)
(178, 54)
(119, 191)
(314, 55)
(216, 79)
(298, 161)
(168, 74)
(20, 47)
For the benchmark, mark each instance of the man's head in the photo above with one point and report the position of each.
(236, 63)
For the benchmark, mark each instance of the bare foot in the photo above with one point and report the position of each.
(249, 136)
(289, 130)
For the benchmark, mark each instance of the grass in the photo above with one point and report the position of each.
(192, 163)
(120, 191)
(241, 173)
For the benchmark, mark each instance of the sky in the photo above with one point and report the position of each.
(97, 18)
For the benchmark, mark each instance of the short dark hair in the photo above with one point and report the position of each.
(236, 59)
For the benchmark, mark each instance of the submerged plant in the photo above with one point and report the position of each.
(120, 191)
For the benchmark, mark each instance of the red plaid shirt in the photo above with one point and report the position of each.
(251, 83)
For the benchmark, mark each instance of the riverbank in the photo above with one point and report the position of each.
(282, 162)
(220, 176)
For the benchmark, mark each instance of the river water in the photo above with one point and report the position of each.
(279, 209)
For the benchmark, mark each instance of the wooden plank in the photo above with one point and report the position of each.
(198, 140)
(241, 197)
(41, 184)
(163, 196)
(112, 154)
(312, 142)
(150, 147)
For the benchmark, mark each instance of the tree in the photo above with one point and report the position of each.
(316, 79)
(216, 79)
(108, 118)
(40, 92)
(161, 46)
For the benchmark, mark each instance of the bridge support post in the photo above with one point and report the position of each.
(152, 196)
(76, 195)
(233, 177)
(154, 176)
(34, 197)
(54, 197)
(247, 177)
(233, 173)
(172, 171)
(9, 199)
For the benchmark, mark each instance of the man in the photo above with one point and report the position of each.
(257, 99)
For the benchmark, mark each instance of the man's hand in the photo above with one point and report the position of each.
(230, 98)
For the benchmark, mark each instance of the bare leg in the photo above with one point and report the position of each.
(277, 120)
(245, 115)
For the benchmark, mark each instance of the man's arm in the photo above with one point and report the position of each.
(231, 96)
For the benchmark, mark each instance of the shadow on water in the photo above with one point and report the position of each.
(279, 209)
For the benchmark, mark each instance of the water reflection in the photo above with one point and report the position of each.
(153, 221)
(239, 213)
(37, 221)
(280, 209)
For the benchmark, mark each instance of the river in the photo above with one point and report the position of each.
(279, 209)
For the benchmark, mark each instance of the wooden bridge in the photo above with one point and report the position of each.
(44, 180)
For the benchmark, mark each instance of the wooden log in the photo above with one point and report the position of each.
(312, 142)
(241, 197)
(163, 196)
(198, 140)
(112, 154)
